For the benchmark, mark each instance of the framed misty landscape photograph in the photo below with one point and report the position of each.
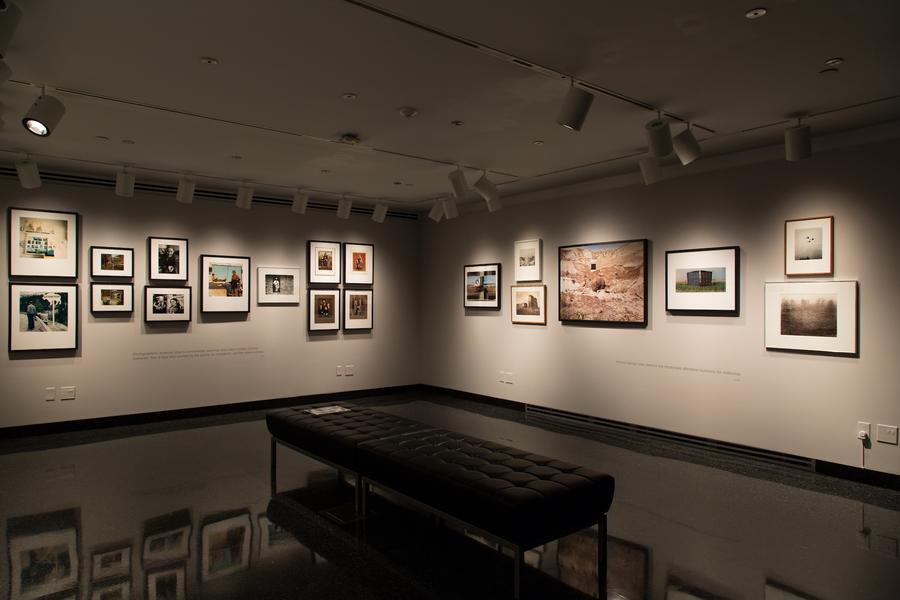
(813, 317)
(604, 283)
(809, 246)
(704, 281)
(481, 286)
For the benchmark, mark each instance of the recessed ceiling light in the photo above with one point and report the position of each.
(457, 123)
(325, 171)
(538, 142)
(408, 184)
(829, 71)
(398, 183)
(349, 96)
(408, 111)
(209, 60)
(102, 138)
(236, 157)
(755, 13)
(128, 142)
(833, 62)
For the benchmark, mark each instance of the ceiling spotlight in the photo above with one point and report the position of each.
(185, 193)
(408, 111)
(451, 211)
(659, 137)
(651, 170)
(301, 199)
(44, 115)
(489, 192)
(458, 181)
(344, 206)
(209, 60)
(9, 20)
(379, 213)
(124, 183)
(797, 142)
(29, 176)
(349, 96)
(538, 142)
(244, 198)
(755, 13)
(457, 123)
(437, 211)
(5, 72)
(686, 146)
(575, 108)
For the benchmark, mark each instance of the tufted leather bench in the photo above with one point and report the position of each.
(515, 497)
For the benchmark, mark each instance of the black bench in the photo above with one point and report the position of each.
(514, 497)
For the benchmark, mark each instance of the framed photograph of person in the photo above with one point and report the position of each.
(359, 264)
(42, 243)
(111, 589)
(278, 285)
(358, 310)
(167, 259)
(44, 554)
(111, 561)
(704, 281)
(529, 304)
(809, 247)
(107, 261)
(166, 583)
(112, 298)
(817, 317)
(167, 537)
(481, 286)
(324, 310)
(528, 258)
(226, 284)
(324, 264)
(167, 304)
(43, 316)
(225, 545)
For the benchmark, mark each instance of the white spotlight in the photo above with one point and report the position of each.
(489, 192)
(651, 170)
(244, 198)
(797, 142)
(659, 137)
(451, 211)
(29, 176)
(437, 211)
(301, 199)
(379, 213)
(9, 20)
(185, 193)
(575, 108)
(5, 72)
(458, 181)
(344, 206)
(124, 183)
(44, 115)
(687, 148)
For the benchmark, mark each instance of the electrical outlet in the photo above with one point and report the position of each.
(67, 392)
(862, 426)
(509, 377)
(349, 370)
(49, 394)
(885, 544)
(502, 377)
(886, 434)
(338, 370)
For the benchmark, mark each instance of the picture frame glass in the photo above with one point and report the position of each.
(819, 317)
(278, 285)
(167, 304)
(529, 304)
(528, 257)
(43, 243)
(481, 286)
(226, 283)
(809, 246)
(225, 547)
(44, 563)
(112, 262)
(704, 280)
(112, 297)
(359, 264)
(358, 309)
(167, 258)
(324, 310)
(43, 317)
(324, 262)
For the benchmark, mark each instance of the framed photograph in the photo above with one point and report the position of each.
(278, 285)
(359, 264)
(226, 286)
(43, 316)
(777, 591)
(604, 283)
(225, 546)
(528, 259)
(112, 298)
(812, 316)
(481, 286)
(162, 304)
(358, 309)
(324, 262)
(705, 281)
(43, 554)
(167, 259)
(115, 589)
(166, 583)
(529, 304)
(809, 246)
(627, 571)
(112, 561)
(324, 310)
(107, 261)
(43, 243)
(167, 537)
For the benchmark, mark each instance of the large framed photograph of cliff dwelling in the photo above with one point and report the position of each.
(816, 317)
(604, 283)
(43, 243)
(704, 281)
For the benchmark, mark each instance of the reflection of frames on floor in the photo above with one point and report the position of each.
(43, 553)
(627, 565)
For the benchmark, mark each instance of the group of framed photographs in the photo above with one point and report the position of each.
(331, 308)
(482, 285)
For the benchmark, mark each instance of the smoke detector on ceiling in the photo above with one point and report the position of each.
(349, 138)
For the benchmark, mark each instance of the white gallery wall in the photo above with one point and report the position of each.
(704, 376)
(121, 367)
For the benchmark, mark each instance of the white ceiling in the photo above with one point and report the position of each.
(131, 70)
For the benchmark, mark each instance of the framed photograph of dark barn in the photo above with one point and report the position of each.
(703, 281)
(604, 283)
(481, 286)
(809, 247)
(816, 317)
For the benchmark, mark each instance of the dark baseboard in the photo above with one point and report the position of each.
(481, 399)
(867, 476)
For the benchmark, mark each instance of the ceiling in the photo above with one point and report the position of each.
(132, 71)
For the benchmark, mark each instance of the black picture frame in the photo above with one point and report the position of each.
(188, 311)
(496, 305)
(13, 274)
(246, 284)
(105, 276)
(338, 308)
(346, 266)
(152, 275)
(95, 310)
(708, 312)
(311, 279)
(794, 343)
(344, 302)
(74, 298)
(234, 516)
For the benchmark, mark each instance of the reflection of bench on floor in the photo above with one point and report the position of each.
(516, 498)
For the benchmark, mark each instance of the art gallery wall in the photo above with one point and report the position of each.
(703, 376)
(121, 367)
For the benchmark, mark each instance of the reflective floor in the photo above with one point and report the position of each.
(184, 511)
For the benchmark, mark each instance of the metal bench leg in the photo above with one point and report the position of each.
(518, 558)
(273, 482)
(601, 557)
(359, 493)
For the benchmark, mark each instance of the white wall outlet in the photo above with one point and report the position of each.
(67, 392)
(349, 370)
(862, 426)
(338, 370)
(510, 379)
(885, 544)
(502, 377)
(50, 394)
(886, 434)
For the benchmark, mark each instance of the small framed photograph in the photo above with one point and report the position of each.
(167, 537)
(111, 589)
(528, 259)
(167, 259)
(226, 287)
(43, 317)
(107, 261)
(705, 281)
(813, 317)
(112, 298)
(166, 583)
(809, 246)
(357, 309)
(167, 304)
(225, 546)
(324, 310)
(278, 285)
(324, 262)
(529, 304)
(43, 555)
(112, 561)
(359, 264)
(481, 286)
(43, 243)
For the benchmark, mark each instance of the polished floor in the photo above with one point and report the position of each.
(184, 510)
